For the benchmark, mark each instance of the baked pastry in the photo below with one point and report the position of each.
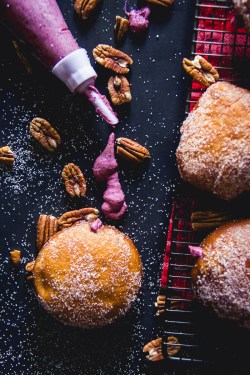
(214, 149)
(221, 278)
(87, 278)
(242, 7)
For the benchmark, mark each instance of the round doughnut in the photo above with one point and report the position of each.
(86, 278)
(221, 278)
(214, 149)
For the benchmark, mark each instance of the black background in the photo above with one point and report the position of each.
(32, 341)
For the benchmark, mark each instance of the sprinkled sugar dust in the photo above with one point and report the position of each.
(32, 341)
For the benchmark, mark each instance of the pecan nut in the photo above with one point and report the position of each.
(85, 7)
(74, 180)
(164, 3)
(46, 227)
(202, 220)
(71, 217)
(15, 256)
(119, 90)
(154, 349)
(22, 57)
(172, 346)
(160, 304)
(29, 268)
(201, 70)
(112, 58)
(131, 150)
(6, 156)
(44, 133)
(121, 27)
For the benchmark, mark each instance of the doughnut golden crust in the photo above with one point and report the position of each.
(221, 279)
(86, 278)
(214, 149)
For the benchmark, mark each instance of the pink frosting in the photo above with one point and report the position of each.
(96, 225)
(138, 19)
(196, 251)
(105, 168)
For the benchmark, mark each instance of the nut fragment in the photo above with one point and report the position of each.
(44, 133)
(22, 57)
(74, 180)
(46, 226)
(164, 3)
(172, 347)
(131, 150)
(119, 90)
(160, 304)
(121, 27)
(85, 7)
(71, 217)
(6, 156)
(201, 70)
(15, 256)
(29, 268)
(154, 349)
(209, 219)
(112, 58)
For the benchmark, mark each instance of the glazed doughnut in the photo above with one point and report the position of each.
(214, 149)
(87, 278)
(221, 278)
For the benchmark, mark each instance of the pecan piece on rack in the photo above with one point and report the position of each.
(202, 220)
(201, 70)
(154, 349)
(29, 268)
(160, 304)
(6, 156)
(46, 226)
(119, 90)
(74, 180)
(22, 57)
(131, 150)
(172, 346)
(164, 3)
(44, 133)
(15, 256)
(71, 217)
(85, 7)
(112, 58)
(121, 27)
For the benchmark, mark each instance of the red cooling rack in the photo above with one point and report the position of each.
(218, 38)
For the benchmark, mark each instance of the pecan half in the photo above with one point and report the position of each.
(85, 7)
(119, 90)
(46, 226)
(209, 219)
(44, 133)
(112, 58)
(74, 180)
(164, 3)
(29, 268)
(15, 256)
(154, 349)
(131, 150)
(172, 346)
(160, 304)
(22, 57)
(120, 28)
(6, 156)
(71, 217)
(201, 70)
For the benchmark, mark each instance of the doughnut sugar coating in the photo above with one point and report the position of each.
(86, 278)
(221, 279)
(214, 149)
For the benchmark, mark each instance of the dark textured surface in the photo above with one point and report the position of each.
(33, 342)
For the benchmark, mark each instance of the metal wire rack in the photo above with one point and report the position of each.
(218, 38)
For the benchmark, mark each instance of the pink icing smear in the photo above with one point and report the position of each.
(102, 105)
(196, 251)
(105, 168)
(138, 19)
(96, 225)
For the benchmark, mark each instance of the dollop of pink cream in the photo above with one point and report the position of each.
(96, 225)
(196, 251)
(105, 168)
(138, 19)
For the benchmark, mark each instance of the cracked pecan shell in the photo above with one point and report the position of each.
(44, 133)
(131, 150)
(201, 70)
(71, 217)
(46, 226)
(112, 58)
(74, 180)
(121, 27)
(6, 156)
(85, 7)
(119, 90)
